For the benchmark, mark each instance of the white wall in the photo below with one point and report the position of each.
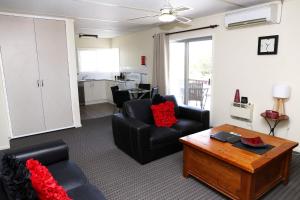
(132, 47)
(73, 72)
(237, 66)
(5, 130)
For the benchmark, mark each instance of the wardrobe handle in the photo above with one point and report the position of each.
(42, 83)
(38, 83)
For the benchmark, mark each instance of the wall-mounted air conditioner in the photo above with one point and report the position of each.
(268, 13)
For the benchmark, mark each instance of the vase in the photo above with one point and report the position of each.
(237, 98)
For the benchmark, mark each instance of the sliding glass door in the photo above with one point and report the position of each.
(191, 71)
(177, 71)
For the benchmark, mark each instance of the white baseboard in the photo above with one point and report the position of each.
(109, 101)
(4, 147)
(77, 125)
(46, 131)
(95, 102)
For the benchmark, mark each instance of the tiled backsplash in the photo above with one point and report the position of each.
(138, 77)
(90, 75)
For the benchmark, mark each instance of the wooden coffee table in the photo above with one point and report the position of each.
(237, 173)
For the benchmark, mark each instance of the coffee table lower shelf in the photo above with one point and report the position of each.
(232, 181)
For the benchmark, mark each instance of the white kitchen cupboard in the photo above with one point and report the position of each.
(54, 72)
(99, 90)
(94, 92)
(88, 92)
(20, 67)
(36, 73)
(109, 84)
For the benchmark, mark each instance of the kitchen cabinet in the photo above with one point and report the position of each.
(20, 68)
(54, 72)
(109, 84)
(88, 92)
(94, 92)
(99, 91)
(36, 74)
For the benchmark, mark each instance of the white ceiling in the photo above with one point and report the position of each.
(109, 18)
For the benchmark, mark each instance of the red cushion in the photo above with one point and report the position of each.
(164, 114)
(43, 182)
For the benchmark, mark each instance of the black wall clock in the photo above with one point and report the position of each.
(268, 45)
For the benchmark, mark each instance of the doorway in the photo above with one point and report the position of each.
(191, 71)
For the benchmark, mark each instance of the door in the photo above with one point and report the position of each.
(191, 71)
(54, 72)
(199, 72)
(20, 67)
(177, 71)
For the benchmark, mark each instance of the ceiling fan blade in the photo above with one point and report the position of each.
(181, 8)
(147, 16)
(183, 20)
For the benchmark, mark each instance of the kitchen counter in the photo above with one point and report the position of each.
(89, 80)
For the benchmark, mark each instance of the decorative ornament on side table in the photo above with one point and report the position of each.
(271, 114)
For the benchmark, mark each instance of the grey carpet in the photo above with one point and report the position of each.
(119, 177)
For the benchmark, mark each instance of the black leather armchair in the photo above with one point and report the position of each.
(55, 156)
(135, 133)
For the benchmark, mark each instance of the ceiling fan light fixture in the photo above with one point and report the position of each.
(166, 17)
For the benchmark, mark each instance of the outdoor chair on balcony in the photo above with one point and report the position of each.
(196, 92)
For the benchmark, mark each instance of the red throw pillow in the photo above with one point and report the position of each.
(43, 182)
(164, 114)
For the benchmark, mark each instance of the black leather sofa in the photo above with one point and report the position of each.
(135, 133)
(55, 156)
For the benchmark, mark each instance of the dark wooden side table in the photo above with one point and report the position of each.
(273, 122)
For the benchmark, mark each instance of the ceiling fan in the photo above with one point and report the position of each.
(169, 13)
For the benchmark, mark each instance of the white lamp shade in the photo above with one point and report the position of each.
(281, 91)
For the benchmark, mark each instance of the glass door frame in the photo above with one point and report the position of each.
(186, 61)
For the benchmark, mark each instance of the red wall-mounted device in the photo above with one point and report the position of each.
(143, 60)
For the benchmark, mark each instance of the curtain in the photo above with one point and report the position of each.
(160, 63)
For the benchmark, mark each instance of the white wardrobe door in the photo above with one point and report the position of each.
(19, 59)
(54, 72)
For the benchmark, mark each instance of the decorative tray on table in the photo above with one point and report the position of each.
(253, 142)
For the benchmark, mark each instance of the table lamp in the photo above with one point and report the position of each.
(280, 93)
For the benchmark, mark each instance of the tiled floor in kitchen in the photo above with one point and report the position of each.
(96, 110)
